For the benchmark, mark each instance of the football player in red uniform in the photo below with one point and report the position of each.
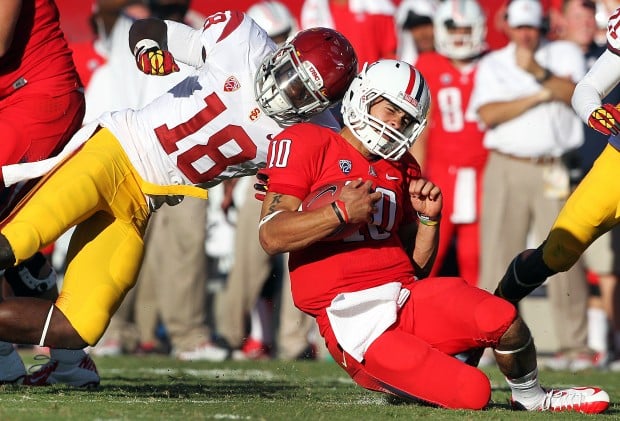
(451, 150)
(42, 103)
(390, 330)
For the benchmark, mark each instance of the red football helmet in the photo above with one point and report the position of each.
(305, 75)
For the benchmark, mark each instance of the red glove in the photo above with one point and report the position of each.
(260, 187)
(155, 61)
(605, 119)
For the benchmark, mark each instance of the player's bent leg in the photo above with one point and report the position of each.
(525, 273)
(409, 367)
(24, 320)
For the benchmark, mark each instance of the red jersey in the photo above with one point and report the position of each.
(452, 139)
(306, 156)
(373, 36)
(39, 53)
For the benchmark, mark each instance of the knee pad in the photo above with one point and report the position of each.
(24, 283)
(494, 316)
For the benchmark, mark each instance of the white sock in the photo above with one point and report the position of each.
(526, 390)
(6, 348)
(67, 356)
(597, 329)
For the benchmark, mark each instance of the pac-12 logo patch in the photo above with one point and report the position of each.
(231, 84)
(345, 165)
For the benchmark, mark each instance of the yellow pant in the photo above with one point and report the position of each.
(590, 211)
(98, 190)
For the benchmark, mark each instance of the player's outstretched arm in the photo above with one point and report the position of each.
(148, 42)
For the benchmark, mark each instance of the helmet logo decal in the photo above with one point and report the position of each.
(345, 165)
(231, 84)
(314, 74)
(411, 100)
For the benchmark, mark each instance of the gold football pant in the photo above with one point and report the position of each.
(590, 211)
(98, 190)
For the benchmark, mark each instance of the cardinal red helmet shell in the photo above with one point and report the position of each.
(306, 75)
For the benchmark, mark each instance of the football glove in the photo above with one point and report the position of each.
(260, 187)
(605, 119)
(155, 61)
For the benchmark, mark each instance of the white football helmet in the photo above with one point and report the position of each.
(460, 14)
(402, 85)
(275, 18)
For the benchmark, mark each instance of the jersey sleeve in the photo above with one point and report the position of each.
(185, 44)
(602, 77)
(613, 35)
(293, 161)
(224, 38)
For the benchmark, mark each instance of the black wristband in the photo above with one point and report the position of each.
(338, 213)
(546, 76)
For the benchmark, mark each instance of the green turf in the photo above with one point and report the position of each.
(160, 388)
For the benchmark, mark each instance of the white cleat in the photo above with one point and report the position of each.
(587, 400)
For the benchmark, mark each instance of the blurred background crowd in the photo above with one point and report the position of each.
(505, 171)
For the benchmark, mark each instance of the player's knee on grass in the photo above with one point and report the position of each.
(411, 368)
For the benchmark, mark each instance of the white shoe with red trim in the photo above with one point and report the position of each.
(82, 374)
(587, 400)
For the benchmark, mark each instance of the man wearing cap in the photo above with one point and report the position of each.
(522, 95)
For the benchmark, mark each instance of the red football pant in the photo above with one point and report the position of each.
(413, 358)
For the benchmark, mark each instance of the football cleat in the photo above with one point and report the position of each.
(83, 374)
(587, 400)
(12, 370)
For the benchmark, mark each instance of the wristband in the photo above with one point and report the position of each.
(545, 77)
(429, 221)
(143, 45)
(342, 216)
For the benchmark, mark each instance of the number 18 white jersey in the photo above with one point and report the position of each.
(208, 127)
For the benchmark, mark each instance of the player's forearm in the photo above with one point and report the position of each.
(425, 250)
(602, 77)
(495, 113)
(287, 231)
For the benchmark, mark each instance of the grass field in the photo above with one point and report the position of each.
(160, 388)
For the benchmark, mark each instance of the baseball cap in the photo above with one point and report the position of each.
(524, 13)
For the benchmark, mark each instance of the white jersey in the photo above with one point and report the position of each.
(208, 127)
(205, 129)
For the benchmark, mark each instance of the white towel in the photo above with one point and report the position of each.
(16, 173)
(358, 318)
(465, 211)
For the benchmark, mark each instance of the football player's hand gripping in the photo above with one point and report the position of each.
(426, 198)
(605, 119)
(360, 201)
(152, 60)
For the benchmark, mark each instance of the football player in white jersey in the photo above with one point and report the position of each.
(212, 126)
